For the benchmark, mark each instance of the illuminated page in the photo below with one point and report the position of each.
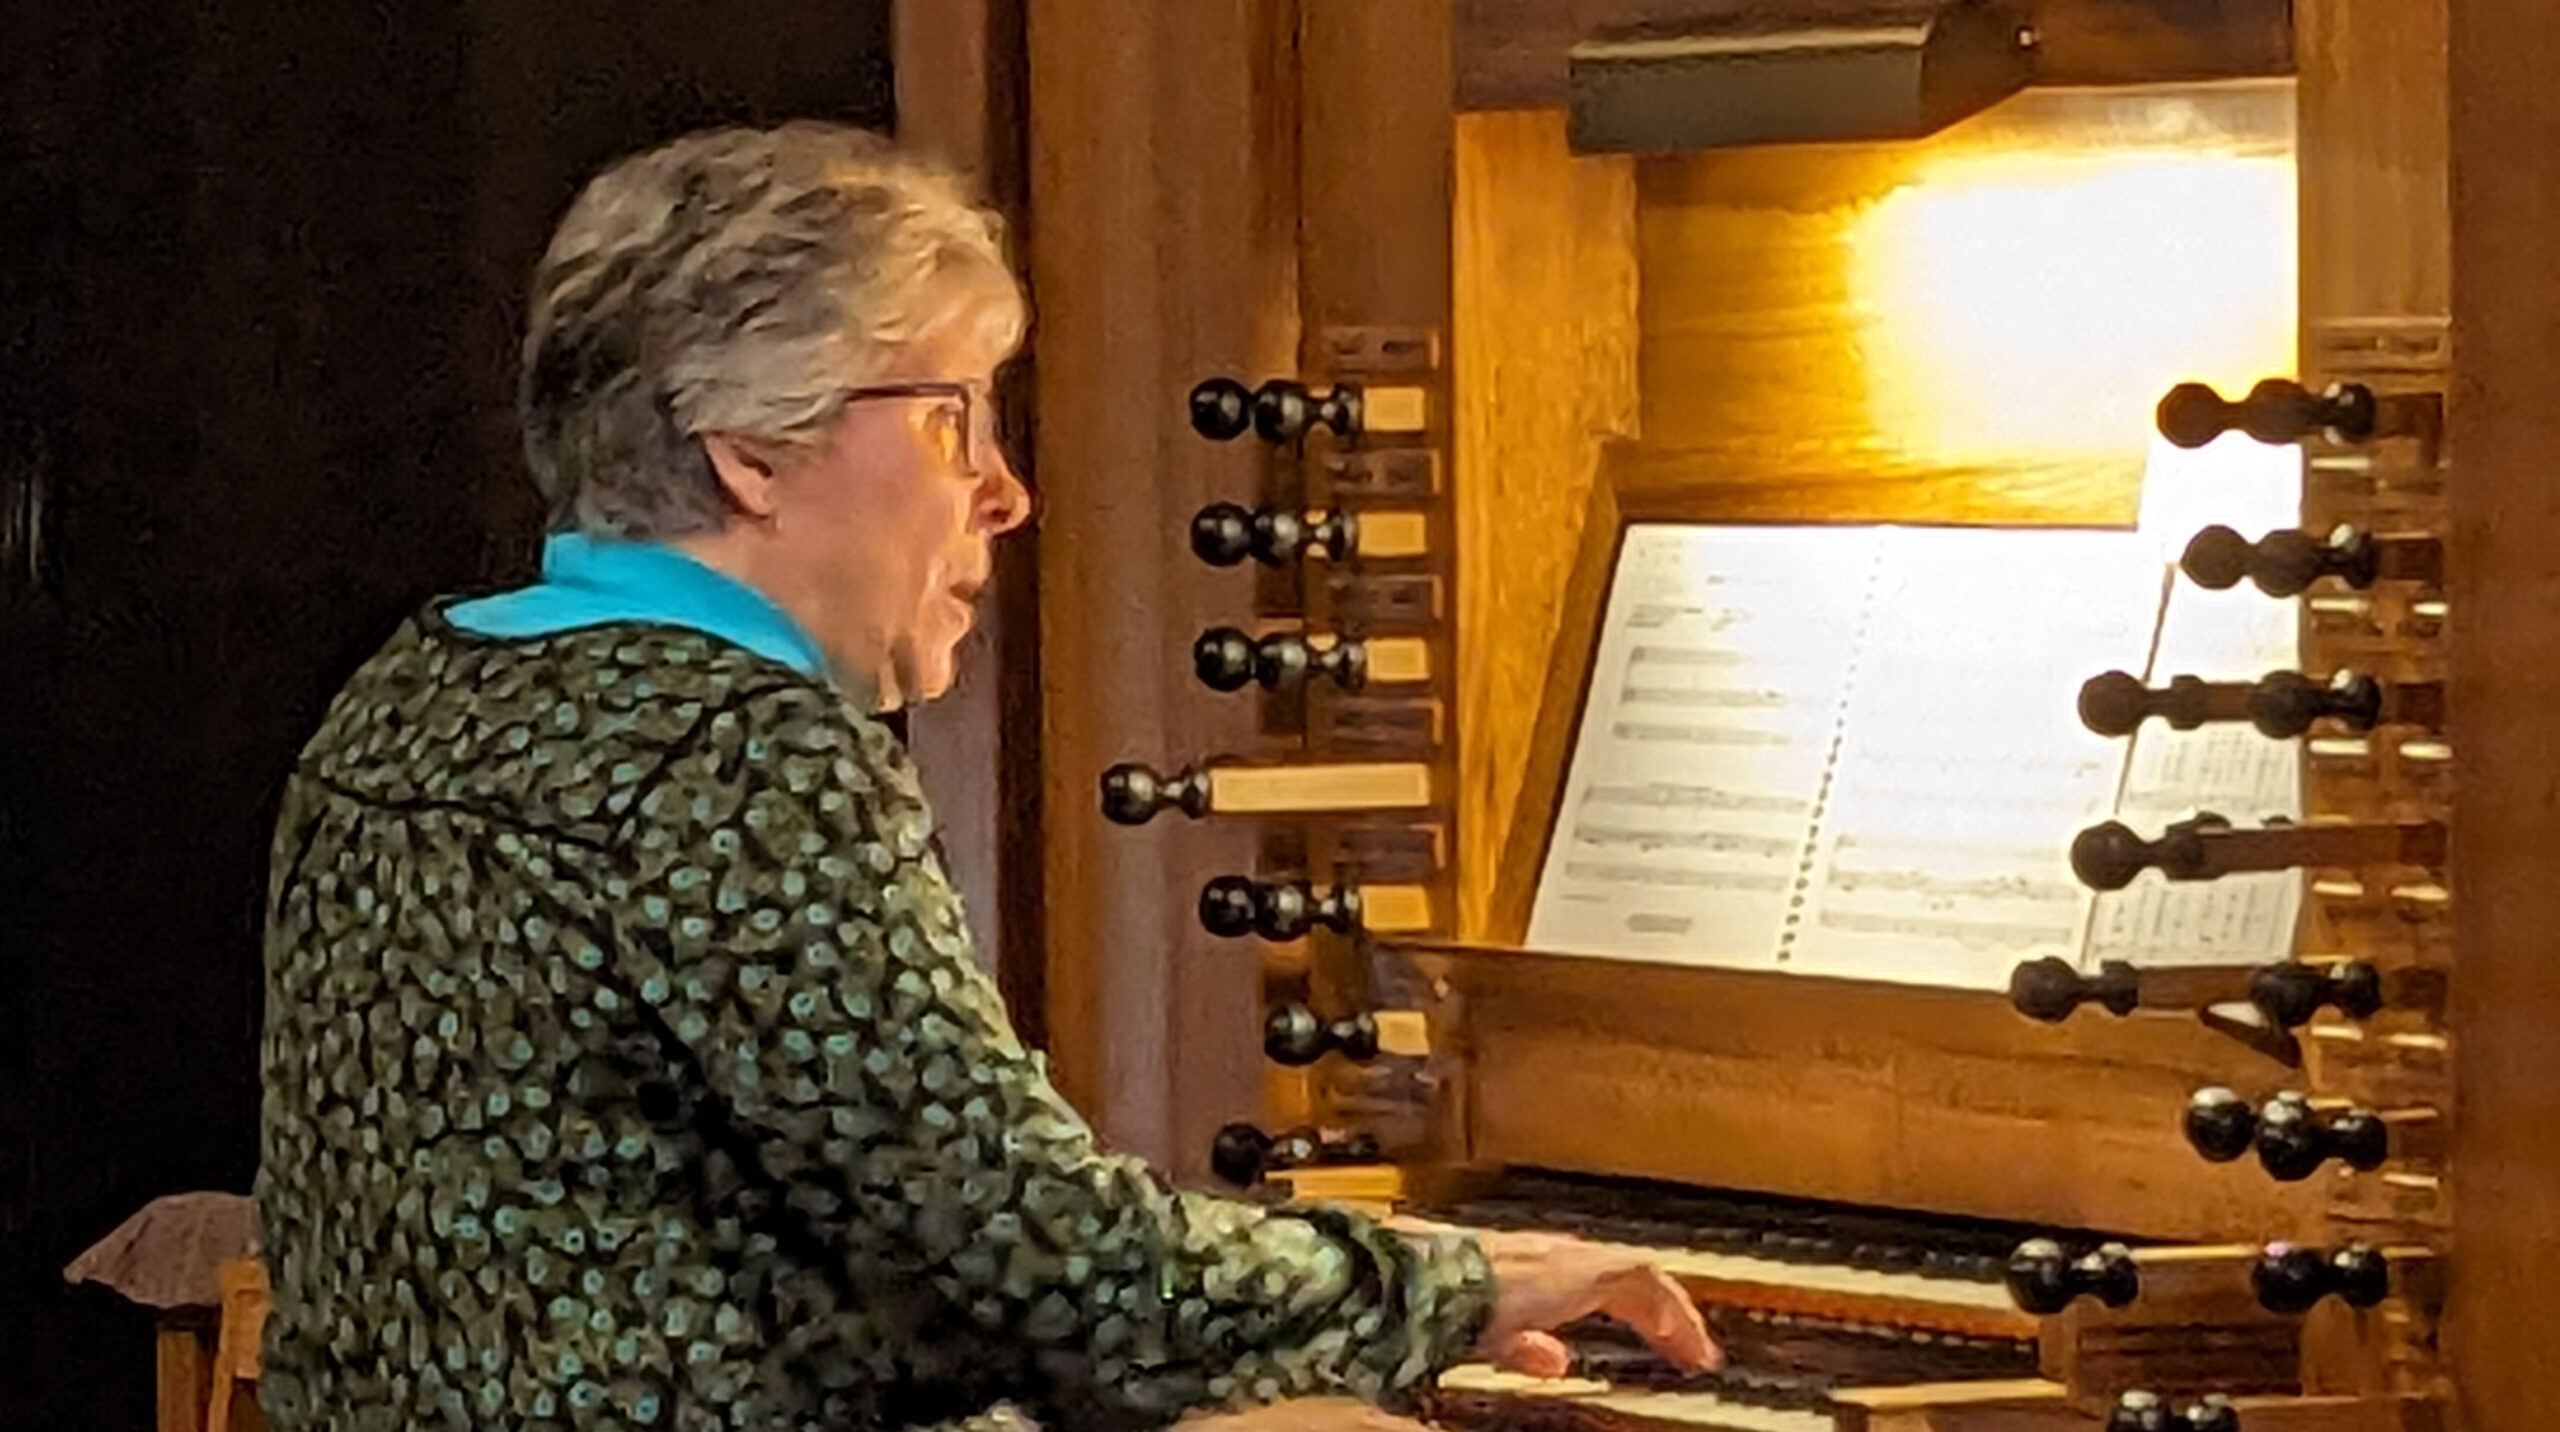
(1713, 701)
(2238, 635)
(1942, 843)
(2225, 767)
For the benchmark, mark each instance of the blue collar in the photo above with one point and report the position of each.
(588, 581)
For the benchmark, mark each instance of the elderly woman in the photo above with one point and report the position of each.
(626, 1062)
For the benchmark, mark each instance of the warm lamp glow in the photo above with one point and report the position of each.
(2034, 305)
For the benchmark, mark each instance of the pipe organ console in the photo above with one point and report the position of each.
(1492, 350)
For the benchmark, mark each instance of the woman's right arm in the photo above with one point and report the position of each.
(790, 929)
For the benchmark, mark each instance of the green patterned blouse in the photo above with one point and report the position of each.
(626, 1064)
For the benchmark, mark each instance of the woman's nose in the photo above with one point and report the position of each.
(1008, 503)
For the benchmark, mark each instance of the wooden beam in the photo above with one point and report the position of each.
(1163, 206)
(2505, 581)
(958, 68)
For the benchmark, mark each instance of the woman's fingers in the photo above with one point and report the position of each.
(1646, 1300)
(1537, 1354)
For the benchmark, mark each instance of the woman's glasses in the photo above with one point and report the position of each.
(976, 440)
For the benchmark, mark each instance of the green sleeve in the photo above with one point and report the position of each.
(796, 935)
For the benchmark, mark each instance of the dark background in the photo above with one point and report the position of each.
(260, 276)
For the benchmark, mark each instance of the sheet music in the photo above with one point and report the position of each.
(2238, 635)
(1713, 701)
(1962, 772)
(1856, 752)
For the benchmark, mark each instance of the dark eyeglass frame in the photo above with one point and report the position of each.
(967, 393)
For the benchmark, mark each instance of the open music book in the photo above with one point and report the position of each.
(1855, 751)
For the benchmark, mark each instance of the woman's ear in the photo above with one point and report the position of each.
(747, 472)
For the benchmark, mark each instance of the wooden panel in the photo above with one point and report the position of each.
(2505, 584)
(185, 1375)
(2373, 162)
(960, 91)
(1809, 314)
(1937, 1100)
(1511, 53)
(1162, 166)
(1546, 348)
(1376, 154)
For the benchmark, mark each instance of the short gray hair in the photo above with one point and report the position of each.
(738, 281)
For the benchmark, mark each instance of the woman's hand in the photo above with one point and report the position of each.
(1544, 1281)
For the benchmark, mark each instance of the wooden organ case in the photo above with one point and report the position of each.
(1365, 333)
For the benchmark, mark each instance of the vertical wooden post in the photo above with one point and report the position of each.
(958, 70)
(1162, 193)
(2505, 590)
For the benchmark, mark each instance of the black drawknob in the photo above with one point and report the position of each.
(1222, 657)
(2043, 1279)
(2288, 1279)
(1283, 411)
(2039, 1277)
(2293, 1142)
(1227, 906)
(2360, 1275)
(2355, 989)
(1295, 1035)
(2217, 559)
(2282, 564)
(2220, 1125)
(2359, 1139)
(1226, 659)
(1240, 1155)
(2277, 410)
(1223, 535)
(2139, 1411)
(1133, 794)
(2049, 988)
(2108, 855)
(1233, 906)
(2148, 1412)
(1221, 409)
(2116, 703)
(2284, 704)
(2290, 1140)
(1244, 1155)
(2288, 994)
